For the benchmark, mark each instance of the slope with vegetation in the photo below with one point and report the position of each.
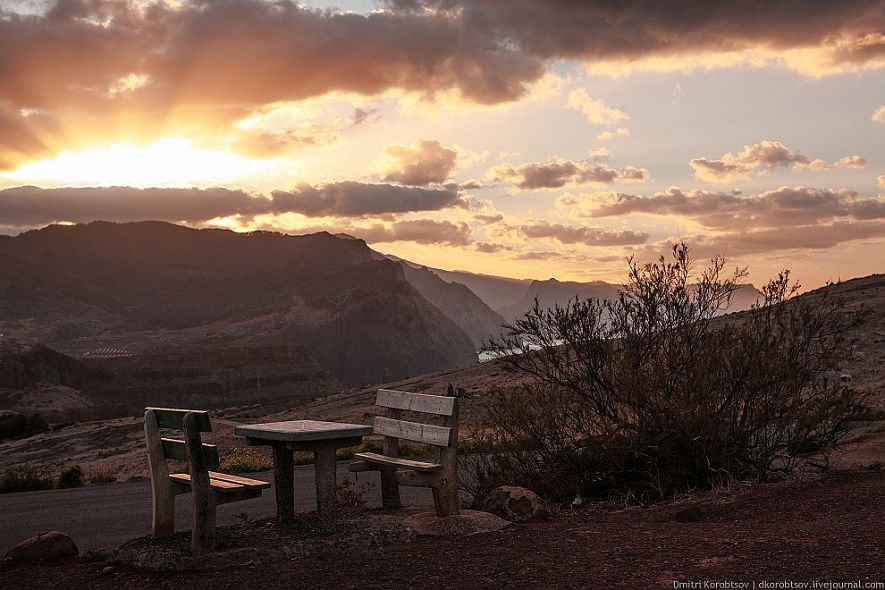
(653, 394)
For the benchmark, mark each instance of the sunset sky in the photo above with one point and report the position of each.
(526, 138)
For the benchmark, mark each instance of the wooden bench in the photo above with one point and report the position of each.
(209, 488)
(441, 474)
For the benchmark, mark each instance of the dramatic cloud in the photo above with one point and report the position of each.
(21, 136)
(355, 199)
(760, 157)
(424, 163)
(590, 236)
(879, 115)
(881, 180)
(228, 52)
(564, 172)
(781, 208)
(836, 34)
(800, 237)
(112, 68)
(421, 231)
(31, 206)
(596, 110)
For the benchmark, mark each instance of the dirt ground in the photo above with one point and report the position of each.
(826, 528)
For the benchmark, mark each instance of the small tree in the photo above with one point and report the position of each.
(657, 391)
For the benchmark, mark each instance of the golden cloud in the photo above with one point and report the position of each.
(427, 161)
(559, 173)
(763, 156)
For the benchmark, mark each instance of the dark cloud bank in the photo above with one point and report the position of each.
(30, 206)
(221, 59)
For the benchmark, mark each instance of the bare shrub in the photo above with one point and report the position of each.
(351, 494)
(653, 393)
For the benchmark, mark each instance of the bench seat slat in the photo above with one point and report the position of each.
(397, 462)
(224, 487)
(415, 402)
(252, 484)
(414, 431)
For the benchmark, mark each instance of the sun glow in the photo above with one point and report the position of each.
(168, 162)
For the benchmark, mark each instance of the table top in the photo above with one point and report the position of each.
(302, 430)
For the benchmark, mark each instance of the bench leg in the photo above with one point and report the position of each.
(284, 482)
(326, 480)
(163, 493)
(390, 489)
(203, 538)
(163, 523)
(446, 500)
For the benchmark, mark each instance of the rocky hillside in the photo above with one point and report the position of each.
(457, 302)
(866, 366)
(118, 445)
(34, 378)
(158, 296)
(497, 292)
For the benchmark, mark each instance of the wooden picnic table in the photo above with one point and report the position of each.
(320, 438)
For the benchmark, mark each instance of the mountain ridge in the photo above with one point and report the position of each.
(151, 287)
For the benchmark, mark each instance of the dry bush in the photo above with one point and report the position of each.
(654, 394)
(70, 478)
(102, 475)
(244, 459)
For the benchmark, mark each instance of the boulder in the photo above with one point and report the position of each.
(516, 504)
(47, 547)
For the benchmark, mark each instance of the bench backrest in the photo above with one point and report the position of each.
(394, 428)
(199, 457)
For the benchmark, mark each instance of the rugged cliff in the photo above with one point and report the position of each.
(457, 302)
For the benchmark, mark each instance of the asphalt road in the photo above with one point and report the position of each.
(109, 515)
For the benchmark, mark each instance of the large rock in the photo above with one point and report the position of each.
(47, 547)
(516, 504)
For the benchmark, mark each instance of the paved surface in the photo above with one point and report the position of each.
(108, 515)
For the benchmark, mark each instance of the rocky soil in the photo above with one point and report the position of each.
(824, 529)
